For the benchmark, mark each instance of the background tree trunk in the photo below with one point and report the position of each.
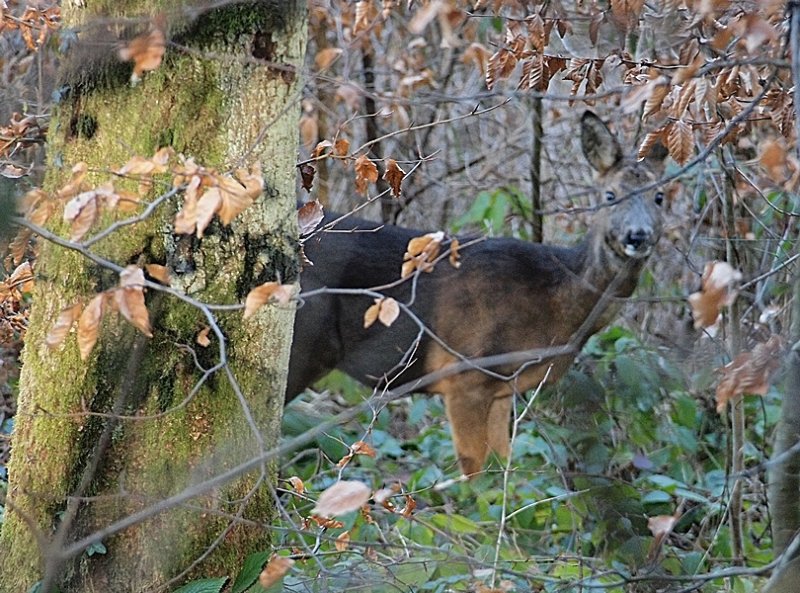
(784, 476)
(231, 99)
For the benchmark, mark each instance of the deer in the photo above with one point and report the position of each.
(506, 296)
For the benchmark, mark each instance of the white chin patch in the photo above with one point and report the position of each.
(631, 251)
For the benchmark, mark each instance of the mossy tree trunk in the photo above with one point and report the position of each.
(228, 97)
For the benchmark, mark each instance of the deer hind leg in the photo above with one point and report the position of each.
(468, 415)
(498, 425)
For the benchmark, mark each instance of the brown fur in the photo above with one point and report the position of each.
(507, 296)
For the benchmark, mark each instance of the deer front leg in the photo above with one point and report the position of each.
(499, 419)
(468, 414)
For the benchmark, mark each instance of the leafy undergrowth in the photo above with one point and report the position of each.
(617, 482)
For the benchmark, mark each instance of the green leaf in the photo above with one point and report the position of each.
(96, 548)
(251, 568)
(455, 523)
(656, 497)
(203, 586)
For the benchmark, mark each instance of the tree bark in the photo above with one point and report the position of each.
(784, 474)
(229, 98)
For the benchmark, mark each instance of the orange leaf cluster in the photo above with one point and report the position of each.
(750, 372)
(35, 24)
(421, 253)
(210, 193)
(717, 291)
(19, 134)
(385, 310)
(127, 299)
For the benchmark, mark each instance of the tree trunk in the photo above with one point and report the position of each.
(784, 475)
(231, 99)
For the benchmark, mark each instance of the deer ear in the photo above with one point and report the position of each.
(600, 146)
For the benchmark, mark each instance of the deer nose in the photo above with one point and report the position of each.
(638, 238)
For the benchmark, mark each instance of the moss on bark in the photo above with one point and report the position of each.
(224, 109)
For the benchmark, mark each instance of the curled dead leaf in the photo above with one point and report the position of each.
(342, 541)
(366, 173)
(62, 326)
(129, 299)
(81, 213)
(385, 310)
(309, 216)
(269, 292)
(89, 324)
(159, 273)
(394, 176)
(202, 337)
(718, 290)
(343, 497)
(274, 571)
(749, 372)
(297, 484)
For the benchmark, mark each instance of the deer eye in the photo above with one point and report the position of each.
(659, 198)
(611, 196)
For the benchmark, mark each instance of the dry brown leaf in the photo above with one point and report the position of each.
(146, 52)
(269, 292)
(309, 216)
(325, 57)
(385, 310)
(297, 484)
(159, 272)
(129, 298)
(89, 324)
(342, 541)
(389, 311)
(208, 205)
(81, 213)
(327, 522)
(202, 337)
(75, 185)
(772, 156)
(421, 252)
(680, 142)
(62, 326)
(362, 448)
(341, 498)
(366, 173)
(661, 525)
(239, 192)
(21, 278)
(717, 291)
(320, 148)
(750, 372)
(478, 55)
(394, 176)
(186, 218)
(274, 571)
(309, 130)
(455, 256)
(411, 504)
(371, 314)
(307, 173)
(19, 245)
(341, 147)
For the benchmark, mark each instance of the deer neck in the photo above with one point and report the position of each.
(602, 280)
